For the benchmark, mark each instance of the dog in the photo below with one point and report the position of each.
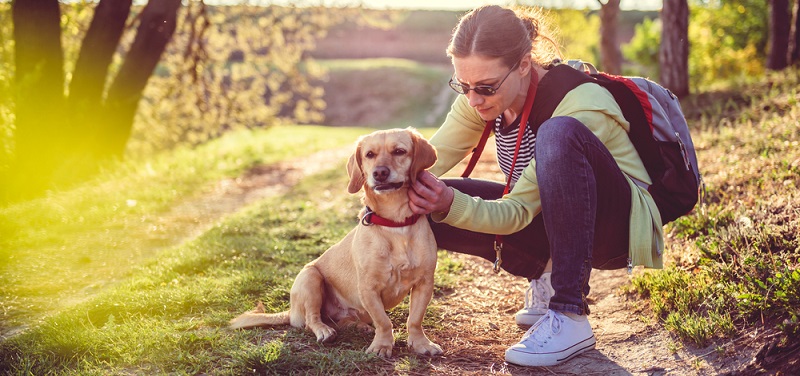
(390, 253)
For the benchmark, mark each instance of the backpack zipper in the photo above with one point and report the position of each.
(683, 152)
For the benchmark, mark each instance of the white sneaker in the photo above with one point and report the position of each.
(554, 339)
(537, 299)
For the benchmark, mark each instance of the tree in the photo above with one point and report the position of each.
(39, 82)
(794, 35)
(610, 53)
(58, 136)
(674, 51)
(779, 27)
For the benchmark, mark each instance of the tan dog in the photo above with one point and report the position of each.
(376, 265)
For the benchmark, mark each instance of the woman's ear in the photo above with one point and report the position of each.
(525, 65)
(424, 154)
(357, 179)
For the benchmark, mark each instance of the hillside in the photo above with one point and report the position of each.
(395, 72)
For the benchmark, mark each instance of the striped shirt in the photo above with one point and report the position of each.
(506, 141)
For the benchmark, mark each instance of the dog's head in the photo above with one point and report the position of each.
(388, 160)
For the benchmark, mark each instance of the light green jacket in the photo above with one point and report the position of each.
(593, 106)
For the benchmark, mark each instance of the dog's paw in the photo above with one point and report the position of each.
(382, 350)
(324, 333)
(364, 327)
(425, 347)
(358, 324)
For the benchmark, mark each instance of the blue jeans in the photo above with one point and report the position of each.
(586, 203)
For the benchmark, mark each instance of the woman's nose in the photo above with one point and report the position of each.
(474, 98)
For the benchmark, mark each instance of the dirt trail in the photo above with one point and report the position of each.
(628, 342)
(480, 310)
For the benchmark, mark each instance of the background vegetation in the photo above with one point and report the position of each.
(94, 282)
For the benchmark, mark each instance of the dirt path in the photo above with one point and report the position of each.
(628, 341)
(480, 310)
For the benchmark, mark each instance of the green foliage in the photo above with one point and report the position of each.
(728, 42)
(226, 68)
(249, 69)
(740, 23)
(578, 33)
(643, 48)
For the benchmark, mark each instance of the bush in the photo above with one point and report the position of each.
(643, 48)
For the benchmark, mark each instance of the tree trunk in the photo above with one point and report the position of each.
(156, 26)
(674, 51)
(39, 81)
(794, 35)
(97, 50)
(91, 70)
(779, 26)
(610, 53)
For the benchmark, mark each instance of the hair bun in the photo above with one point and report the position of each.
(529, 21)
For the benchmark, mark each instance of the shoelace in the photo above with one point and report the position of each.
(550, 325)
(536, 294)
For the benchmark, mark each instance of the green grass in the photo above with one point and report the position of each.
(167, 313)
(736, 262)
(69, 245)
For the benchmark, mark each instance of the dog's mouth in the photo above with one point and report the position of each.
(388, 187)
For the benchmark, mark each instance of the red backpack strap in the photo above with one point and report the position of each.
(476, 153)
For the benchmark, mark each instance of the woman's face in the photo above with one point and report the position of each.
(478, 70)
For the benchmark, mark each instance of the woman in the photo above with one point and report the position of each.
(573, 205)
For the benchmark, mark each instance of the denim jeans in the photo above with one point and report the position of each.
(586, 204)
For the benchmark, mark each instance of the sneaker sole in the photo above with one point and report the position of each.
(550, 359)
(526, 322)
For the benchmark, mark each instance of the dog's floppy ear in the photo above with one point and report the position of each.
(424, 154)
(357, 179)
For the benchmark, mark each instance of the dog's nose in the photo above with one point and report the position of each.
(381, 173)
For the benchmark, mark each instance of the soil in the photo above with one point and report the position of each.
(480, 309)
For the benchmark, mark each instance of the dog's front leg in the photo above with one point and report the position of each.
(384, 340)
(420, 297)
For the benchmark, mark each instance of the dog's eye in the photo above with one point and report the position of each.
(399, 152)
(370, 155)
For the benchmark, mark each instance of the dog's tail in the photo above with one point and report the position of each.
(257, 317)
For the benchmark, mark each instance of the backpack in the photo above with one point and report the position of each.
(658, 130)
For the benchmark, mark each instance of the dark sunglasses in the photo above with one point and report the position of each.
(483, 90)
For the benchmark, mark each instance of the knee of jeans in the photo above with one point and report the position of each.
(556, 136)
(559, 128)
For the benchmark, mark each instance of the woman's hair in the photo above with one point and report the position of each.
(493, 31)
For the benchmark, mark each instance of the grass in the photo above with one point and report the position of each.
(167, 313)
(736, 261)
(72, 244)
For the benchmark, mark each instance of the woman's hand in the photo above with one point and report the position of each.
(429, 194)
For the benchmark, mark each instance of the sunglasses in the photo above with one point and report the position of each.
(483, 90)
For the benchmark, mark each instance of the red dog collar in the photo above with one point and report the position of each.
(371, 218)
